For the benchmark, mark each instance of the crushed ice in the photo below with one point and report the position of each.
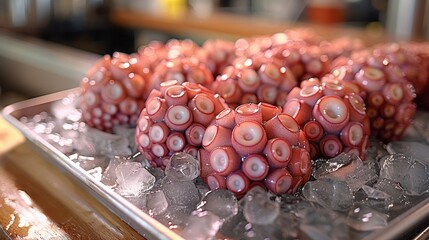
(347, 198)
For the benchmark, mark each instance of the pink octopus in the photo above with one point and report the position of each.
(387, 92)
(174, 119)
(113, 91)
(255, 144)
(332, 115)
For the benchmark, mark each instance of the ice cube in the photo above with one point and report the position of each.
(323, 224)
(259, 208)
(361, 174)
(374, 199)
(95, 142)
(364, 218)
(156, 203)
(296, 205)
(407, 171)
(181, 193)
(393, 189)
(202, 187)
(240, 230)
(329, 193)
(234, 227)
(175, 216)
(139, 202)
(133, 179)
(201, 225)
(375, 193)
(284, 227)
(221, 202)
(326, 166)
(157, 172)
(348, 168)
(419, 151)
(109, 175)
(182, 167)
(250, 231)
(159, 175)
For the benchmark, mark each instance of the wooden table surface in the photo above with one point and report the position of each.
(37, 201)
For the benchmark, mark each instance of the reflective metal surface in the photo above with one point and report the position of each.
(140, 221)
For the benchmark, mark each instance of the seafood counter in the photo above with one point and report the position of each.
(286, 136)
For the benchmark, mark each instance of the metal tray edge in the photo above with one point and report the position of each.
(137, 219)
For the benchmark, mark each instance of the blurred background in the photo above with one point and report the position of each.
(47, 45)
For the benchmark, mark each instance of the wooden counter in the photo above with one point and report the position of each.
(226, 25)
(37, 201)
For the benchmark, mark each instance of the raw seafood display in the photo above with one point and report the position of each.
(280, 126)
(184, 93)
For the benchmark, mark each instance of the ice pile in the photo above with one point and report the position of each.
(346, 199)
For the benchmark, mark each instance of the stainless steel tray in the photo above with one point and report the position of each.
(403, 226)
(137, 219)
